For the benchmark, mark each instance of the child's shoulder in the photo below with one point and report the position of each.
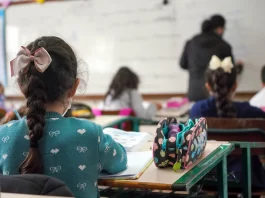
(13, 126)
(74, 123)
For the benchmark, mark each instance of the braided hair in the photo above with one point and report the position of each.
(42, 88)
(221, 83)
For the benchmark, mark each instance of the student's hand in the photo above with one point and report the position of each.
(239, 67)
(239, 62)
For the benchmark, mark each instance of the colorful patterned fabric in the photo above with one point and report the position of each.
(182, 150)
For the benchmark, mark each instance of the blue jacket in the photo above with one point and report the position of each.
(207, 108)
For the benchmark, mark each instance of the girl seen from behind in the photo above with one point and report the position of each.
(221, 83)
(123, 93)
(44, 142)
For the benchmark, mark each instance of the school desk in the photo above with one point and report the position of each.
(246, 166)
(166, 179)
(11, 195)
(116, 120)
(174, 112)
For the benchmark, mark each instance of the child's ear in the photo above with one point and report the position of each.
(208, 87)
(74, 88)
(234, 87)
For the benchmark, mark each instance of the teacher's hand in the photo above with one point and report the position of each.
(239, 67)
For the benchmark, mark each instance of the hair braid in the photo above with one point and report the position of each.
(221, 90)
(36, 99)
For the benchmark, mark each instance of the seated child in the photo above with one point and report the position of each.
(123, 93)
(44, 142)
(259, 99)
(221, 83)
(11, 115)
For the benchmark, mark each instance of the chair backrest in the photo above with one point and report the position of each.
(34, 184)
(235, 123)
(127, 126)
(240, 130)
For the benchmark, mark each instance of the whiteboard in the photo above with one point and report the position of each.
(3, 79)
(143, 34)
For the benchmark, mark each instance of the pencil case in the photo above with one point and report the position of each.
(183, 149)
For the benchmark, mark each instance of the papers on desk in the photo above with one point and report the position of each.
(138, 162)
(131, 141)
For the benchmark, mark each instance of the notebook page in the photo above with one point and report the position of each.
(137, 163)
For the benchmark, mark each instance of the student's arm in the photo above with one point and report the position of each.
(184, 57)
(138, 107)
(112, 155)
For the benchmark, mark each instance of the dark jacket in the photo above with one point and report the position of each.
(207, 108)
(33, 184)
(196, 57)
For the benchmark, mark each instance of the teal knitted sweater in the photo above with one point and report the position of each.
(73, 150)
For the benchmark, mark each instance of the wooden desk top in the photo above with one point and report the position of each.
(167, 179)
(11, 195)
(109, 120)
(175, 112)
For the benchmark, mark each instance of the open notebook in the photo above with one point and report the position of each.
(131, 141)
(137, 163)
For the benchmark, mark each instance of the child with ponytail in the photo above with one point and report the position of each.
(221, 83)
(44, 142)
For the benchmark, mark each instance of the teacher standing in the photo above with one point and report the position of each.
(198, 52)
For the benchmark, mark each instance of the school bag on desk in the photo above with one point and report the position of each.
(80, 110)
(179, 145)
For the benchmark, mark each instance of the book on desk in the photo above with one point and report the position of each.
(131, 141)
(137, 163)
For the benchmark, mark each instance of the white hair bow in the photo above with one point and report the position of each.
(226, 64)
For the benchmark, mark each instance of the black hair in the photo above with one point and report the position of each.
(214, 22)
(217, 21)
(47, 87)
(263, 74)
(124, 79)
(206, 26)
(221, 83)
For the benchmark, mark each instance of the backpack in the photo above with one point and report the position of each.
(79, 110)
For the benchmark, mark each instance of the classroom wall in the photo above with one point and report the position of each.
(146, 35)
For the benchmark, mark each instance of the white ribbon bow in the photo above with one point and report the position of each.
(55, 169)
(81, 149)
(226, 64)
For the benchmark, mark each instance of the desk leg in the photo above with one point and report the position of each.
(246, 172)
(135, 123)
(119, 125)
(222, 178)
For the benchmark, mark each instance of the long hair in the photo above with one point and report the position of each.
(221, 83)
(123, 80)
(42, 88)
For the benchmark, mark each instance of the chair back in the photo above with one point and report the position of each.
(127, 126)
(34, 184)
(237, 130)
